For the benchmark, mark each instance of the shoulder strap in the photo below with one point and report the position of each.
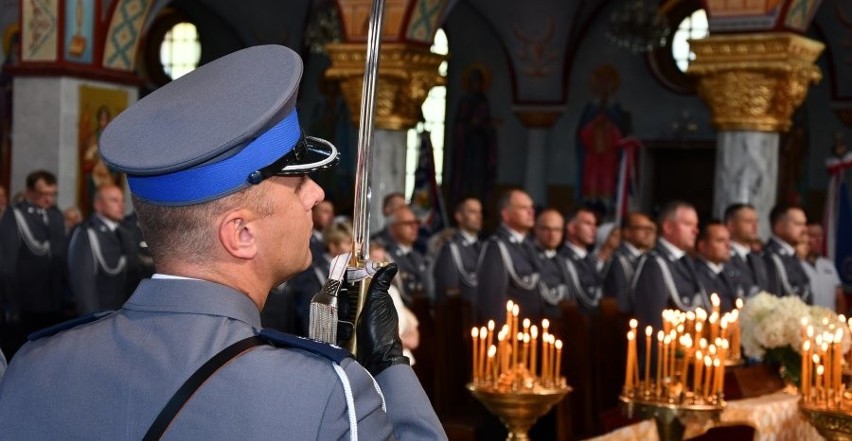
(179, 399)
(36, 247)
(465, 277)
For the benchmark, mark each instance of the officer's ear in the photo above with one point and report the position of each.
(238, 235)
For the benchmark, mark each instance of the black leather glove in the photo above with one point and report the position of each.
(347, 307)
(379, 345)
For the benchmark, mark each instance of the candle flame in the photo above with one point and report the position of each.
(714, 300)
(648, 331)
(491, 325)
(534, 331)
(492, 351)
(558, 344)
(634, 323)
(474, 332)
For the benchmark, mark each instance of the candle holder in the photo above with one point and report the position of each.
(672, 418)
(833, 424)
(518, 410)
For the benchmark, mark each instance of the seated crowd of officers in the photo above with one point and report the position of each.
(538, 260)
(541, 259)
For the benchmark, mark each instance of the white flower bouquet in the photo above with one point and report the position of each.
(772, 329)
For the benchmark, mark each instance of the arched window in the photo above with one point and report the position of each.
(692, 27)
(434, 113)
(172, 48)
(669, 63)
(180, 50)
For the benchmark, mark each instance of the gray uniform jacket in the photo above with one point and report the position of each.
(751, 273)
(499, 283)
(786, 275)
(661, 281)
(109, 379)
(455, 269)
(617, 278)
(584, 280)
(99, 262)
(724, 284)
(32, 258)
(413, 279)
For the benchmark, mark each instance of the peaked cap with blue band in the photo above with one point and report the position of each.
(223, 127)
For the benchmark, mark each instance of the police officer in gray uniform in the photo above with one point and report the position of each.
(665, 276)
(217, 163)
(555, 279)
(414, 281)
(748, 267)
(638, 234)
(583, 267)
(102, 254)
(455, 267)
(508, 269)
(786, 275)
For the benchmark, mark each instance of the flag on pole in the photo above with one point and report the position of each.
(838, 216)
(426, 198)
(627, 189)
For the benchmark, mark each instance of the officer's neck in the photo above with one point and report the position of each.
(238, 275)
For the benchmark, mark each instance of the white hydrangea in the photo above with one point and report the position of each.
(773, 322)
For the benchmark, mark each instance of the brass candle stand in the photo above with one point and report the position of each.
(517, 375)
(519, 410)
(672, 416)
(833, 424)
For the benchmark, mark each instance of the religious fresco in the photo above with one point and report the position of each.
(424, 20)
(39, 37)
(601, 128)
(79, 28)
(536, 52)
(124, 32)
(801, 13)
(98, 106)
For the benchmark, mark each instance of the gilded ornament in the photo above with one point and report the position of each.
(755, 81)
(406, 73)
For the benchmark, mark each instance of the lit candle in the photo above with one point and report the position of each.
(474, 337)
(804, 322)
(514, 332)
(717, 367)
(509, 306)
(715, 302)
(714, 325)
(483, 351)
(526, 358)
(665, 356)
(659, 384)
(696, 371)
(526, 326)
(518, 357)
(628, 370)
(806, 362)
(648, 332)
(557, 371)
(708, 363)
(490, 367)
(490, 332)
(672, 354)
(686, 342)
(735, 333)
(533, 342)
(820, 371)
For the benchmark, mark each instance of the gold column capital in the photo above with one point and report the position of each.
(406, 73)
(754, 81)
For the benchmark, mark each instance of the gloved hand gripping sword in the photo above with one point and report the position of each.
(326, 306)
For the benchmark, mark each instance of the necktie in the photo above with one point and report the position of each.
(43, 213)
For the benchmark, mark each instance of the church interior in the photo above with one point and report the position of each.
(609, 103)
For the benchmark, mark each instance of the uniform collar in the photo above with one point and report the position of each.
(631, 249)
(676, 252)
(467, 238)
(514, 236)
(173, 294)
(111, 224)
(716, 268)
(579, 251)
(786, 248)
(739, 249)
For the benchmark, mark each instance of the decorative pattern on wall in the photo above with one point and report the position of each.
(800, 14)
(39, 34)
(79, 28)
(124, 33)
(424, 20)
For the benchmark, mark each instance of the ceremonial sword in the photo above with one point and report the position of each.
(324, 306)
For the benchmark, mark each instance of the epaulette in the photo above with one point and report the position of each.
(325, 350)
(64, 326)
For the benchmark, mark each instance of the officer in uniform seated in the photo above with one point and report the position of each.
(508, 269)
(455, 267)
(583, 266)
(713, 248)
(638, 233)
(665, 276)
(33, 254)
(102, 254)
(217, 165)
(413, 280)
(554, 281)
(750, 269)
(786, 275)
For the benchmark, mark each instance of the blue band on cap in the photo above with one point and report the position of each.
(211, 181)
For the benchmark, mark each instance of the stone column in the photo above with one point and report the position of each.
(46, 130)
(538, 121)
(406, 73)
(752, 83)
